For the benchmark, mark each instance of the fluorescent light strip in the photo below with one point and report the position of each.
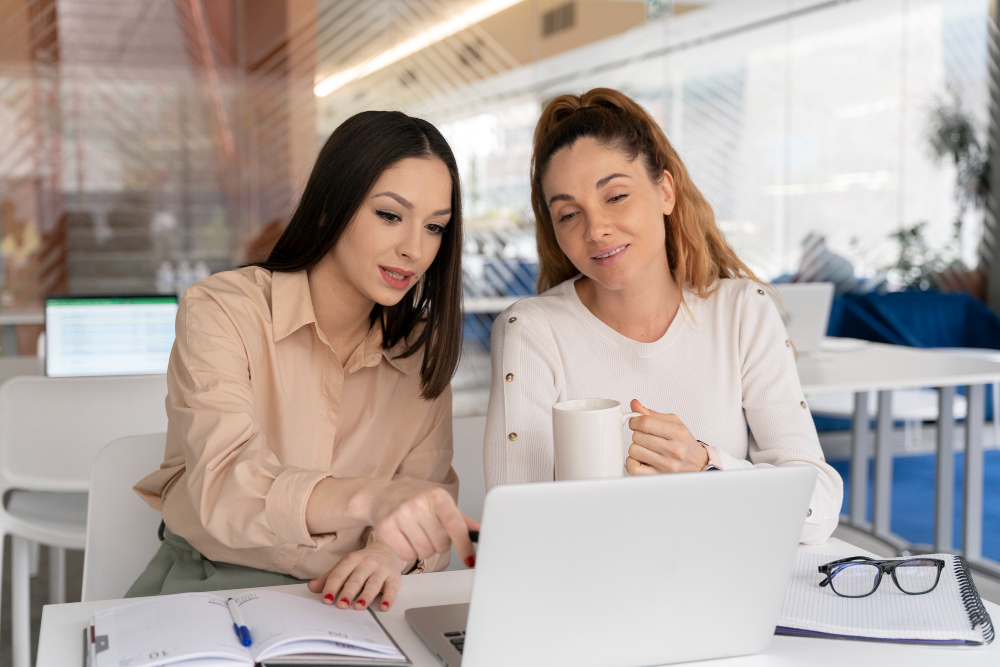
(459, 22)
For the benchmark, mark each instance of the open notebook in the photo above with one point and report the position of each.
(197, 629)
(953, 613)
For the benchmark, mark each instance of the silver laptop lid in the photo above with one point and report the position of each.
(634, 571)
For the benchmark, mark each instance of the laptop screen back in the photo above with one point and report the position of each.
(806, 313)
(108, 335)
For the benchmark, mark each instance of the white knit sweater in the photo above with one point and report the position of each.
(725, 366)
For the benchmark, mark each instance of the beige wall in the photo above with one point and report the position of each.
(519, 29)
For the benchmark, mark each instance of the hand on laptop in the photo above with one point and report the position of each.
(662, 443)
(359, 577)
(419, 519)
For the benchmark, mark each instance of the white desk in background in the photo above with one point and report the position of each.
(862, 367)
(10, 318)
(59, 644)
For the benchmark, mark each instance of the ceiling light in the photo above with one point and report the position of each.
(471, 16)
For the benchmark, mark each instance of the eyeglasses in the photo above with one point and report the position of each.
(860, 576)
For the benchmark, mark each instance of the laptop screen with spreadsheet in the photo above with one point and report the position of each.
(108, 335)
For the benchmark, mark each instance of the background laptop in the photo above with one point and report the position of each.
(108, 335)
(805, 309)
(632, 571)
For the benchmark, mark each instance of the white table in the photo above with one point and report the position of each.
(60, 641)
(862, 367)
(866, 366)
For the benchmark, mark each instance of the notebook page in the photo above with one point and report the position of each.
(167, 630)
(886, 614)
(280, 622)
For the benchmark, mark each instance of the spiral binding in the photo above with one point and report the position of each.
(978, 615)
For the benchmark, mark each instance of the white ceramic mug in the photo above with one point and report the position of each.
(588, 438)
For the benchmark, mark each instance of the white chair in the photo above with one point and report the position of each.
(51, 429)
(468, 435)
(121, 528)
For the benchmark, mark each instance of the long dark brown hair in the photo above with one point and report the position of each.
(351, 160)
(696, 247)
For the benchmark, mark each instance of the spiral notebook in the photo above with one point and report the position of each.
(952, 613)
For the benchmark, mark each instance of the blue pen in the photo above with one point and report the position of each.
(239, 625)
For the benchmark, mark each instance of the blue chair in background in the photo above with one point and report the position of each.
(851, 319)
(933, 319)
(501, 276)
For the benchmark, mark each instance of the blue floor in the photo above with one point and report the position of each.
(913, 499)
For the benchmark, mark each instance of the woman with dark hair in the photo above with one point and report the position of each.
(641, 296)
(309, 404)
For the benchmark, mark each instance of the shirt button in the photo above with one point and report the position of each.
(512, 436)
(809, 512)
(510, 377)
(761, 292)
(803, 404)
(512, 320)
(788, 343)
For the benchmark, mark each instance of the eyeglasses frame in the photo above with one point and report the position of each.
(884, 567)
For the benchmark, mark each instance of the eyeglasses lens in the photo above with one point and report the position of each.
(917, 576)
(854, 580)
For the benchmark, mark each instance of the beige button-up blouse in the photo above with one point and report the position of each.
(261, 409)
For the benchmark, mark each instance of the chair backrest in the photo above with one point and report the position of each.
(850, 319)
(932, 319)
(121, 528)
(51, 429)
(469, 434)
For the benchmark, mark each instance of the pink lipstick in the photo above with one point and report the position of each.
(394, 277)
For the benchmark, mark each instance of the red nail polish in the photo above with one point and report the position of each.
(329, 596)
(361, 602)
(471, 561)
(385, 604)
(345, 600)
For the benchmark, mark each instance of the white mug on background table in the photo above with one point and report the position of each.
(588, 439)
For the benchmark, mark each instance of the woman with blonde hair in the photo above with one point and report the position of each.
(641, 299)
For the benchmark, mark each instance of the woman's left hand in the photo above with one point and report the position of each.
(662, 443)
(360, 576)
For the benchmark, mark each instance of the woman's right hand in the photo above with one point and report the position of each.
(419, 519)
(359, 577)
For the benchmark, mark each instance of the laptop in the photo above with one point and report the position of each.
(629, 572)
(108, 335)
(805, 309)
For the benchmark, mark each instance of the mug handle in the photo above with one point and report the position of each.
(629, 415)
(625, 417)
